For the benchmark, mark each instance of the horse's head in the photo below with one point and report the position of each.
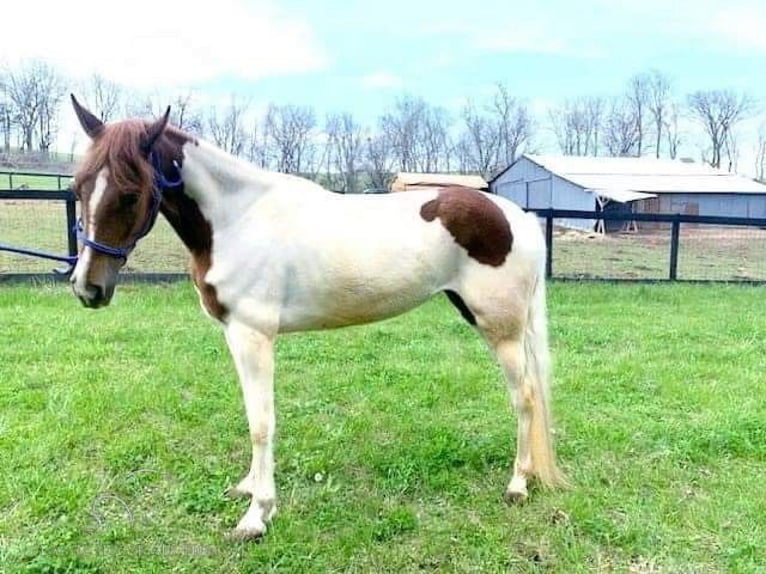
(118, 200)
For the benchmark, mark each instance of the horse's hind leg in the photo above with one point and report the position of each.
(510, 355)
(253, 355)
(519, 338)
(524, 361)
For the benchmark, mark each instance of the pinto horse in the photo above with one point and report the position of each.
(273, 253)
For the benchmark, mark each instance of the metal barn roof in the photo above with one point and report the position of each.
(407, 180)
(615, 176)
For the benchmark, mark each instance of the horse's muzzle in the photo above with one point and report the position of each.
(93, 296)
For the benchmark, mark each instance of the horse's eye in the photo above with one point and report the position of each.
(128, 200)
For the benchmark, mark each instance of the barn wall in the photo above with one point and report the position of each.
(531, 186)
(726, 205)
(521, 177)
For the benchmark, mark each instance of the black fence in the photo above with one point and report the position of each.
(654, 247)
(646, 247)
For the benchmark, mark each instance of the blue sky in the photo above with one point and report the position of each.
(357, 56)
(544, 51)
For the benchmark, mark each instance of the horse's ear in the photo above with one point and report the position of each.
(154, 132)
(90, 123)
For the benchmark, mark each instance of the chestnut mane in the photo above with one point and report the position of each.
(118, 147)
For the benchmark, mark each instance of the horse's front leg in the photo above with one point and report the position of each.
(253, 354)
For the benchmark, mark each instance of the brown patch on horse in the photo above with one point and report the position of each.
(184, 215)
(475, 222)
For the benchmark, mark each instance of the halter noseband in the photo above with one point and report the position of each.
(161, 183)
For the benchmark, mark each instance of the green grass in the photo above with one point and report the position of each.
(30, 180)
(705, 252)
(41, 225)
(120, 429)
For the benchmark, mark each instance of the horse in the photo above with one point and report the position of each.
(274, 253)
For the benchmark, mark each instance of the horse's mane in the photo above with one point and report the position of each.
(118, 147)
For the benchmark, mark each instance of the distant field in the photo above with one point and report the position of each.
(120, 430)
(15, 181)
(705, 252)
(42, 225)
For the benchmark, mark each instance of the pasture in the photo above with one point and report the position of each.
(120, 430)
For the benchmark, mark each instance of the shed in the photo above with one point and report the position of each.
(406, 181)
(640, 185)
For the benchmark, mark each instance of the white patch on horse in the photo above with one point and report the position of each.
(80, 272)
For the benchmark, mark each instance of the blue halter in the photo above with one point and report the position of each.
(161, 183)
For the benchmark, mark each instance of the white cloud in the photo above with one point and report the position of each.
(742, 27)
(382, 80)
(150, 44)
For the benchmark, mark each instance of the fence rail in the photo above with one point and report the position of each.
(661, 247)
(13, 180)
(735, 242)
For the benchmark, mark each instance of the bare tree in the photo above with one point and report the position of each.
(291, 130)
(760, 154)
(638, 95)
(35, 90)
(6, 113)
(620, 132)
(577, 124)
(658, 104)
(479, 143)
(185, 116)
(434, 141)
(514, 125)
(345, 149)
(402, 128)
(731, 151)
(379, 159)
(719, 111)
(672, 133)
(226, 127)
(258, 147)
(49, 112)
(104, 98)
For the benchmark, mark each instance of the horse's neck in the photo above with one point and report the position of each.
(220, 183)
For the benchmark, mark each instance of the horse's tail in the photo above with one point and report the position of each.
(538, 374)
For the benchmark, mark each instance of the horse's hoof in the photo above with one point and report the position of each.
(234, 492)
(514, 497)
(247, 534)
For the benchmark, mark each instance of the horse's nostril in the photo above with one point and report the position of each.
(96, 292)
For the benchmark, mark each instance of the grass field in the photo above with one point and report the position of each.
(726, 253)
(30, 180)
(120, 430)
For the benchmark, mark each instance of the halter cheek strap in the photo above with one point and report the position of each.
(161, 183)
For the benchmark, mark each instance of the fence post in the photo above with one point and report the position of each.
(71, 221)
(674, 239)
(549, 245)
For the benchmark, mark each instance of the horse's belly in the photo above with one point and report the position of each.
(348, 307)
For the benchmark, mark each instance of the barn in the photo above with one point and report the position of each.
(640, 185)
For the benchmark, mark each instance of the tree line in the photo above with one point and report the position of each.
(483, 137)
